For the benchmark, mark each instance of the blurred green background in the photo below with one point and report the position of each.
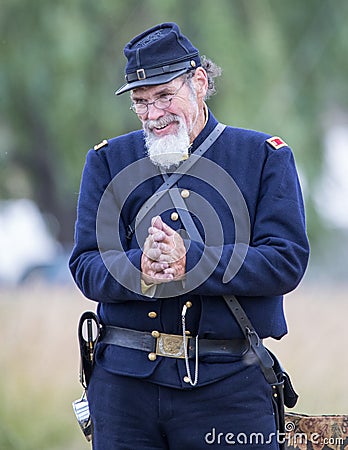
(285, 72)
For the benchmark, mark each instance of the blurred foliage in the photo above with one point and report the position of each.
(284, 63)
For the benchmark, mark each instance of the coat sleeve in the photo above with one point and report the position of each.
(275, 259)
(101, 265)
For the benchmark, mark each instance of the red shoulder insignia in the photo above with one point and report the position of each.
(277, 142)
(102, 144)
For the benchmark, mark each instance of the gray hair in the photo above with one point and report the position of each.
(213, 71)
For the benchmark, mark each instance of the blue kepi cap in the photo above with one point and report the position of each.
(157, 56)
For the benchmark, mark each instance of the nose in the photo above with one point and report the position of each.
(154, 113)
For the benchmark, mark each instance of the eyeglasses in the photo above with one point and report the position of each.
(162, 102)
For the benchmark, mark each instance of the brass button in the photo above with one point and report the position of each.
(185, 193)
(156, 334)
(186, 379)
(152, 315)
(152, 356)
(174, 216)
(188, 304)
(187, 332)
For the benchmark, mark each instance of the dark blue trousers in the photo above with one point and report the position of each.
(131, 414)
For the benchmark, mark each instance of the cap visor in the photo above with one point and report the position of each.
(160, 79)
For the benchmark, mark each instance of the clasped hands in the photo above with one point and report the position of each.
(164, 254)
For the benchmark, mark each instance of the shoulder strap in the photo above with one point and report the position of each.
(184, 214)
(264, 358)
(175, 177)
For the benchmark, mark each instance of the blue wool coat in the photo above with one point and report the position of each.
(245, 198)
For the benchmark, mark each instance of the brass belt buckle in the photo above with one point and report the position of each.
(170, 345)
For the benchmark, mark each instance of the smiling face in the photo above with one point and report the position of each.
(174, 116)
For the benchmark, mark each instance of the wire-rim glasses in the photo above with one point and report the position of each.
(162, 102)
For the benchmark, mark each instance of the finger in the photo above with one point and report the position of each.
(167, 229)
(149, 243)
(158, 236)
(157, 222)
(153, 253)
(159, 267)
(165, 258)
(165, 248)
(161, 277)
(153, 230)
(156, 279)
(165, 277)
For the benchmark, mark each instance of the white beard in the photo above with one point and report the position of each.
(170, 150)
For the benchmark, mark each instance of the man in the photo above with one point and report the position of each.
(173, 369)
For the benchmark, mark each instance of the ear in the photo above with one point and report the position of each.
(200, 80)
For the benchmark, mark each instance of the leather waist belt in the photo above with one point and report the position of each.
(171, 345)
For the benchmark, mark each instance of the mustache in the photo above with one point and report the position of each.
(161, 122)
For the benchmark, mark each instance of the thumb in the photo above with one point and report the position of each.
(157, 222)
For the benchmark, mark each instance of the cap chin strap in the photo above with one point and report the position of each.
(142, 74)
